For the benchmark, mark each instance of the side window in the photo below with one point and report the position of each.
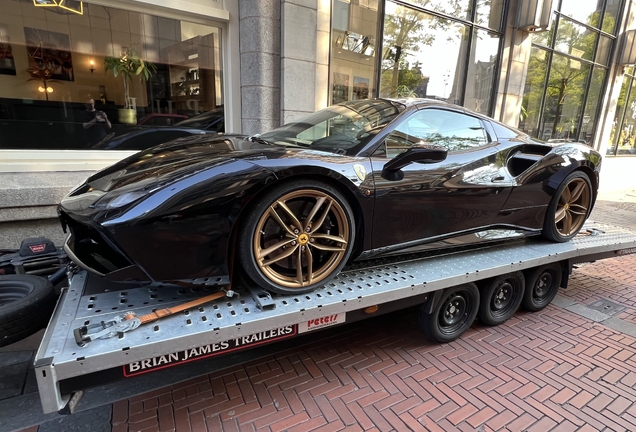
(452, 130)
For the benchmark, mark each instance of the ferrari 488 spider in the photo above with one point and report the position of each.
(291, 207)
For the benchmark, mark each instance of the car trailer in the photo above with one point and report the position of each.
(445, 285)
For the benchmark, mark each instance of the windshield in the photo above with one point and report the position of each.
(342, 129)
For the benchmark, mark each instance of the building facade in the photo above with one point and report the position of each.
(85, 83)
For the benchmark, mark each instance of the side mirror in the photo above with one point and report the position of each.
(417, 154)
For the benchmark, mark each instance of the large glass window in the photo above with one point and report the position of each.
(101, 77)
(435, 56)
(353, 53)
(623, 136)
(411, 39)
(533, 94)
(567, 71)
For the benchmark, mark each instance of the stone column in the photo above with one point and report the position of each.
(260, 30)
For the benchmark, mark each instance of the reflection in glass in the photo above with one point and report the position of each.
(625, 142)
(610, 18)
(603, 50)
(412, 39)
(531, 104)
(620, 111)
(594, 96)
(84, 105)
(489, 13)
(564, 98)
(456, 8)
(544, 38)
(575, 40)
(450, 130)
(353, 50)
(482, 67)
(585, 11)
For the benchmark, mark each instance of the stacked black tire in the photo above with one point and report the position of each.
(26, 305)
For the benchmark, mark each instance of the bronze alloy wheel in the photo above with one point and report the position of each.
(573, 206)
(301, 238)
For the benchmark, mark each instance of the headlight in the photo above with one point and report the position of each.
(116, 201)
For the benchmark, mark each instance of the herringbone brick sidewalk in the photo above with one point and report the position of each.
(551, 370)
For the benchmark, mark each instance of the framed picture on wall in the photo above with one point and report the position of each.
(7, 63)
(340, 88)
(50, 51)
(360, 88)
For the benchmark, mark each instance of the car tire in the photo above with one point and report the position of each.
(452, 316)
(26, 304)
(542, 285)
(285, 216)
(569, 208)
(500, 298)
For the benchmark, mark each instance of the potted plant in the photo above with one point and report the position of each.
(128, 65)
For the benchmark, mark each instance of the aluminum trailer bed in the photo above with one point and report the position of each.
(227, 325)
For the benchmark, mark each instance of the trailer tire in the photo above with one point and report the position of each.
(500, 298)
(542, 285)
(453, 315)
(26, 304)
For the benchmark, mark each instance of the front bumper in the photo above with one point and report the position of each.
(92, 251)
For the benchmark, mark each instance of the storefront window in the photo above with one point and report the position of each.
(411, 40)
(575, 39)
(612, 9)
(594, 96)
(482, 69)
(575, 57)
(535, 83)
(623, 136)
(465, 56)
(354, 45)
(489, 13)
(585, 11)
(564, 98)
(63, 78)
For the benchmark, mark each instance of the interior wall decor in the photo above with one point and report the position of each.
(51, 51)
(7, 62)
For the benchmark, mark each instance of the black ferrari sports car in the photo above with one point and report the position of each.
(291, 207)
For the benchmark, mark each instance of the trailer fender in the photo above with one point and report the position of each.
(429, 306)
(567, 271)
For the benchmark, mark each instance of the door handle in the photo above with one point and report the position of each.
(497, 179)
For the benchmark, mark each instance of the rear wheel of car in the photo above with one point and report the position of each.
(500, 298)
(569, 208)
(453, 315)
(26, 304)
(297, 237)
(542, 285)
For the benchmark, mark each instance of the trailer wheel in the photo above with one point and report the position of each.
(542, 284)
(453, 315)
(500, 298)
(26, 304)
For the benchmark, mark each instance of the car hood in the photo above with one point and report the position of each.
(159, 166)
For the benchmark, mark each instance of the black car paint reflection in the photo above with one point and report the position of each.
(183, 202)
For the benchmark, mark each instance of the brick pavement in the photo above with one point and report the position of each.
(550, 370)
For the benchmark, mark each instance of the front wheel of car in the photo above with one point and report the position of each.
(297, 237)
(569, 208)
